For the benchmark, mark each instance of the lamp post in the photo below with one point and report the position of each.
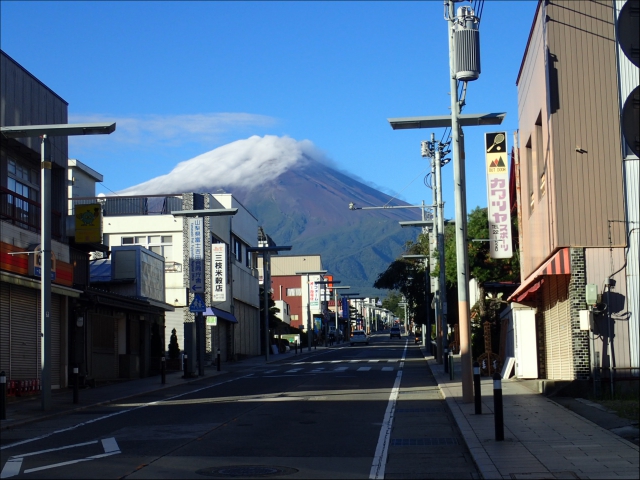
(335, 302)
(332, 283)
(350, 296)
(266, 281)
(426, 291)
(44, 132)
(196, 289)
(309, 332)
(456, 121)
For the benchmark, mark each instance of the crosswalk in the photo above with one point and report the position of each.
(334, 366)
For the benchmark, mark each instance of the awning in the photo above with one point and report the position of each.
(211, 311)
(558, 264)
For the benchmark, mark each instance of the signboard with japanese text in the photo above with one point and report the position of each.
(314, 293)
(219, 273)
(498, 207)
(196, 254)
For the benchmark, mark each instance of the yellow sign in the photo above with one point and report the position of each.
(88, 223)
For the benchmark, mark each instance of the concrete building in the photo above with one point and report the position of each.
(230, 281)
(573, 206)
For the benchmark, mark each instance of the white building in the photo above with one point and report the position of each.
(147, 221)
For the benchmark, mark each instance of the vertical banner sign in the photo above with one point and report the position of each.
(314, 295)
(345, 307)
(498, 208)
(196, 255)
(219, 274)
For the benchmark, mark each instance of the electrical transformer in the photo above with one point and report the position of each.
(467, 45)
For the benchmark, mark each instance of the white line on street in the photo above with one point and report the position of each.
(364, 369)
(11, 468)
(387, 369)
(82, 424)
(382, 449)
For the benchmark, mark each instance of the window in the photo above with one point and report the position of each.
(247, 260)
(23, 181)
(294, 292)
(294, 317)
(160, 244)
(530, 173)
(540, 159)
(237, 249)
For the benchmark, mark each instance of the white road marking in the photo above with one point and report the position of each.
(293, 370)
(14, 464)
(382, 448)
(387, 369)
(88, 422)
(271, 371)
(374, 361)
(340, 369)
(364, 369)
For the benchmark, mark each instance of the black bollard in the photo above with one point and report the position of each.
(497, 406)
(186, 367)
(450, 365)
(445, 361)
(163, 370)
(476, 388)
(3, 396)
(218, 360)
(76, 377)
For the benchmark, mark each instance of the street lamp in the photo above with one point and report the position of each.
(456, 121)
(426, 291)
(309, 334)
(215, 212)
(266, 281)
(44, 132)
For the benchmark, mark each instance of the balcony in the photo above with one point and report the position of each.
(25, 213)
(134, 205)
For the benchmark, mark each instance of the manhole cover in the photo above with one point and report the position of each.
(246, 471)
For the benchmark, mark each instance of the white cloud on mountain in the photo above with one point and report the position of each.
(244, 163)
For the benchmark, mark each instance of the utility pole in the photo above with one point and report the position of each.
(442, 285)
(460, 196)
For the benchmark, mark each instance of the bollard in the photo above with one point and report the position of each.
(450, 365)
(163, 370)
(476, 388)
(186, 367)
(445, 360)
(3, 396)
(218, 360)
(497, 406)
(296, 347)
(76, 378)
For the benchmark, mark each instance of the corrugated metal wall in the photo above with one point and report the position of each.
(588, 185)
(629, 78)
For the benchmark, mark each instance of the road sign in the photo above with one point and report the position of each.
(197, 305)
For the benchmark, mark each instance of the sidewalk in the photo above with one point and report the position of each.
(542, 439)
(22, 410)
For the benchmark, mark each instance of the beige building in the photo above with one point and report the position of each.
(571, 198)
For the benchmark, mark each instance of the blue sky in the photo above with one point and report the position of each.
(184, 78)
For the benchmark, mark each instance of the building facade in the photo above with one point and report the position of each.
(572, 193)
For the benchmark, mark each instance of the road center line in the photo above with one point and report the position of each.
(382, 449)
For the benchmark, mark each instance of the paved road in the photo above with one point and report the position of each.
(346, 412)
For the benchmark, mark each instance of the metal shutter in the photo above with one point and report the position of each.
(25, 333)
(5, 329)
(56, 351)
(557, 321)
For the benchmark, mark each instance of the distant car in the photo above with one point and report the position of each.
(359, 336)
(395, 332)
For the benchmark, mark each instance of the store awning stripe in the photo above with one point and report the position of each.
(558, 264)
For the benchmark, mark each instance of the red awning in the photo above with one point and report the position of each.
(558, 264)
